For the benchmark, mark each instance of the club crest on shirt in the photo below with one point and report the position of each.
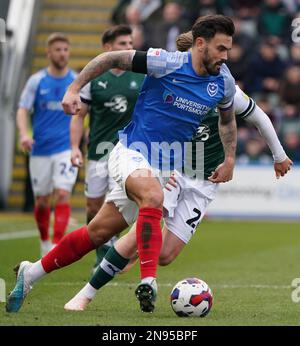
(212, 89)
(168, 97)
(117, 104)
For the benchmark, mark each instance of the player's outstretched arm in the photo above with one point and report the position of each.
(100, 64)
(228, 135)
(76, 131)
(282, 163)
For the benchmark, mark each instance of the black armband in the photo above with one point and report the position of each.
(139, 62)
(86, 101)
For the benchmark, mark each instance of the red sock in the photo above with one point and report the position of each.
(149, 240)
(70, 249)
(42, 217)
(61, 219)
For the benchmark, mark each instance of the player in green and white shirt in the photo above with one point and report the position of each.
(109, 100)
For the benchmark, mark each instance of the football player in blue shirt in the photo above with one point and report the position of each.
(50, 165)
(180, 88)
(185, 198)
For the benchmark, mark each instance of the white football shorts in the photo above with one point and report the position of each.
(185, 205)
(52, 172)
(97, 180)
(123, 162)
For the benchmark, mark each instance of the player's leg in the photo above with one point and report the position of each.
(115, 260)
(42, 213)
(92, 207)
(133, 172)
(71, 248)
(184, 212)
(120, 257)
(96, 187)
(171, 248)
(64, 178)
(174, 239)
(147, 193)
(62, 212)
(180, 224)
(40, 174)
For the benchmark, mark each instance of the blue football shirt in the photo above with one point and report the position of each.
(51, 126)
(171, 105)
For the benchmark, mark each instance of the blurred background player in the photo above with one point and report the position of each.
(110, 100)
(50, 164)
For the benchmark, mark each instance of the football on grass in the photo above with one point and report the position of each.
(191, 297)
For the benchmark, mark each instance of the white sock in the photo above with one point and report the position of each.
(88, 291)
(36, 272)
(150, 280)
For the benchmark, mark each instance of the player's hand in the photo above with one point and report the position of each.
(282, 168)
(71, 102)
(26, 143)
(223, 173)
(76, 157)
(171, 182)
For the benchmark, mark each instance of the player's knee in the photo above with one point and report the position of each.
(62, 196)
(99, 238)
(98, 235)
(42, 202)
(153, 198)
(165, 259)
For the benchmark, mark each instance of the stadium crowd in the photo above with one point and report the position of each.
(264, 59)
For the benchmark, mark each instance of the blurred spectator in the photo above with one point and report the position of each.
(274, 20)
(138, 38)
(291, 143)
(244, 36)
(238, 64)
(243, 137)
(118, 14)
(132, 16)
(275, 117)
(290, 89)
(266, 70)
(203, 8)
(254, 153)
(165, 32)
(292, 6)
(133, 19)
(245, 8)
(145, 9)
(294, 54)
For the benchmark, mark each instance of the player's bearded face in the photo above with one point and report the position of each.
(58, 54)
(212, 67)
(216, 53)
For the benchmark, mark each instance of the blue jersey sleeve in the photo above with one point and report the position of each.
(29, 92)
(161, 63)
(229, 88)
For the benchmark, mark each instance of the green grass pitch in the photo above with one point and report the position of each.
(248, 265)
